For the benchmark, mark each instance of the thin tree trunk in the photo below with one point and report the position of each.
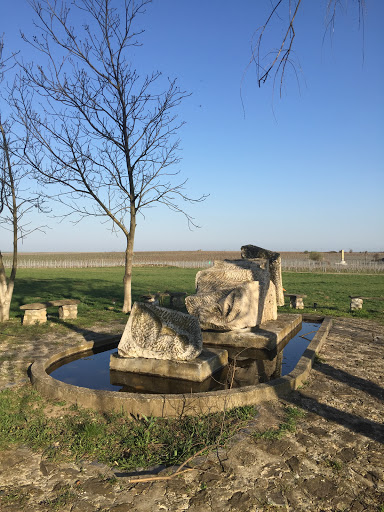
(6, 291)
(128, 269)
(6, 288)
(3, 291)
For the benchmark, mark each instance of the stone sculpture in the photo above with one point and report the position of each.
(274, 259)
(233, 294)
(160, 333)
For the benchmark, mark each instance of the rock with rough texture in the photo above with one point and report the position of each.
(160, 333)
(356, 303)
(296, 302)
(274, 260)
(68, 312)
(233, 295)
(35, 316)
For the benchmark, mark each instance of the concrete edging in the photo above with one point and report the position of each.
(137, 404)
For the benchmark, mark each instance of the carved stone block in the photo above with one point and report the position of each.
(296, 302)
(233, 295)
(35, 316)
(69, 311)
(160, 333)
(356, 303)
(274, 260)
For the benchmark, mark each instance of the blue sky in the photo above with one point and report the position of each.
(300, 172)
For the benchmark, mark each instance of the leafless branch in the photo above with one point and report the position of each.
(275, 61)
(16, 202)
(101, 132)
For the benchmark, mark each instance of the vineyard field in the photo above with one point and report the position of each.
(357, 262)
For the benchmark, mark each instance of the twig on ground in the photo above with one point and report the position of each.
(178, 472)
(154, 478)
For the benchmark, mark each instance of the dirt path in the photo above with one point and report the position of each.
(334, 461)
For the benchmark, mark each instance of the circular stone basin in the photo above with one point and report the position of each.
(90, 383)
(91, 370)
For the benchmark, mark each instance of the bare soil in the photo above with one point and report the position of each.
(334, 461)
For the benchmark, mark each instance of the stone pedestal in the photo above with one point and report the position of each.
(198, 369)
(296, 303)
(35, 316)
(69, 311)
(140, 383)
(262, 342)
(356, 303)
(295, 300)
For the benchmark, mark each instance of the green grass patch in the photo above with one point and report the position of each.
(100, 290)
(331, 293)
(101, 294)
(292, 416)
(74, 433)
(100, 287)
(334, 464)
(11, 496)
(63, 497)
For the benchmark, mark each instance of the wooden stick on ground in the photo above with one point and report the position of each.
(179, 471)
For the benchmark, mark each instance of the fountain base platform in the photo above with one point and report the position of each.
(262, 342)
(208, 362)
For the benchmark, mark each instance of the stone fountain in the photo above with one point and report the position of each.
(234, 312)
(234, 316)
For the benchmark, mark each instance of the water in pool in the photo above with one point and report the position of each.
(91, 370)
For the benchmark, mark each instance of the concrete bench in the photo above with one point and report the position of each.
(295, 300)
(357, 301)
(36, 313)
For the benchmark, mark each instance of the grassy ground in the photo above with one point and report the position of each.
(100, 290)
(331, 293)
(66, 433)
(72, 433)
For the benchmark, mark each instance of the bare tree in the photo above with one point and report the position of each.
(100, 131)
(275, 61)
(15, 202)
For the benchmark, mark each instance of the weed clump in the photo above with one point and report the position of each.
(292, 415)
(112, 438)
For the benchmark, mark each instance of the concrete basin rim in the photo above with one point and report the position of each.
(260, 392)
